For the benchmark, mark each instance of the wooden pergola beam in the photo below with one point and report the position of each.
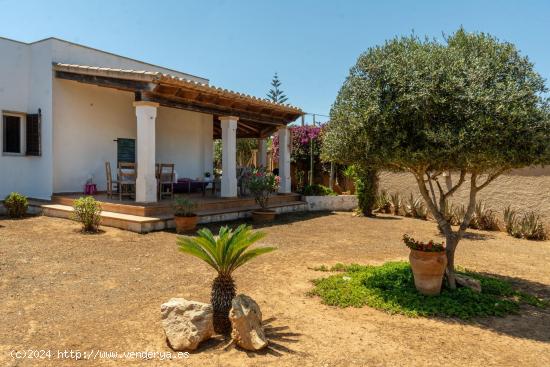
(108, 82)
(210, 108)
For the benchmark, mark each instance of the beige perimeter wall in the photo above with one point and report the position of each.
(523, 189)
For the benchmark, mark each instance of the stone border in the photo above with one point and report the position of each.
(333, 203)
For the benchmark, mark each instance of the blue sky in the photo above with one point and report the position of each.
(240, 44)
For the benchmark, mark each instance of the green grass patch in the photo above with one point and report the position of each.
(390, 287)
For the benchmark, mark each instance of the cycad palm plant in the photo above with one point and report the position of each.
(225, 253)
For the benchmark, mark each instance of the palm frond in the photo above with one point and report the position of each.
(191, 247)
(249, 255)
(228, 250)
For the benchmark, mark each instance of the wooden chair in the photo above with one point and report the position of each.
(126, 179)
(111, 185)
(166, 178)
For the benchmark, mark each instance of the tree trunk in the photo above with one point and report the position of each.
(223, 292)
(451, 242)
(366, 188)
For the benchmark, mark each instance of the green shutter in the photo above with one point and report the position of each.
(126, 150)
(33, 135)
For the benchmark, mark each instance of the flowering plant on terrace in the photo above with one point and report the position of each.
(262, 184)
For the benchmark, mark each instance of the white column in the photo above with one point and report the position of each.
(284, 160)
(262, 153)
(208, 144)
(229, 156)
(146, 181)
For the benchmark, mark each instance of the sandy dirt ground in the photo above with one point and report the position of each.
(62, 290)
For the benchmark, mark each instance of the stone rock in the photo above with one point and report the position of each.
(186, 323)
(463, 281)
(246, 321)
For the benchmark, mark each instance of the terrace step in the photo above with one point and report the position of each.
(164, 208)
(143, 224)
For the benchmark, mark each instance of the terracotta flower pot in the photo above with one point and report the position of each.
(263, 215)
(428, 269)
(185, 224)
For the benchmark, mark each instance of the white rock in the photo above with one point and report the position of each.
(246, 321)
(464, 281)
(186, 323)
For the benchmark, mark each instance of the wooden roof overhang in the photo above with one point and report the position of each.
(258, 118)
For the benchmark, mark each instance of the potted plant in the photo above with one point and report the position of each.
(261, 185)
(428, 262)
(184, 217)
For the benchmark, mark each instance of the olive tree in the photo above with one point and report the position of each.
(471, 105)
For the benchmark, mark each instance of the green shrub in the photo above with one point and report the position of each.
(390, 287)
(16, 205)
(87, 211)
(318, 190)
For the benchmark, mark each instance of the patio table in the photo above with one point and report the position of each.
(189, 185)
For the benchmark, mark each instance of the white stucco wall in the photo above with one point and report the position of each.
(26, 85)
(88, 119)
(70, 53)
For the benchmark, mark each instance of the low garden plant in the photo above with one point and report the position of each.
(318, 190)
(415, 208)
(390, 287)
(184, 207)
(87, 211)
(526, 225)
(484, 218)
(396, 202)
(16, 205)
(382, 202)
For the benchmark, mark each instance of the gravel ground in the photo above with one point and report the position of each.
(63, 290)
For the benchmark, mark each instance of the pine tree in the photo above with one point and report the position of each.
(275, 94)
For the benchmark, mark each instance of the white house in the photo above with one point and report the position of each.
(66, 108)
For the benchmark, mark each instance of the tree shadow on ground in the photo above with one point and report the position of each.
(474, 236)
(279, 338)
(281, 219)
(531, 322)
(379, 216)
(89, 233)
(213, 343)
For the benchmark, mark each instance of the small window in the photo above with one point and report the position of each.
(12, 133)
